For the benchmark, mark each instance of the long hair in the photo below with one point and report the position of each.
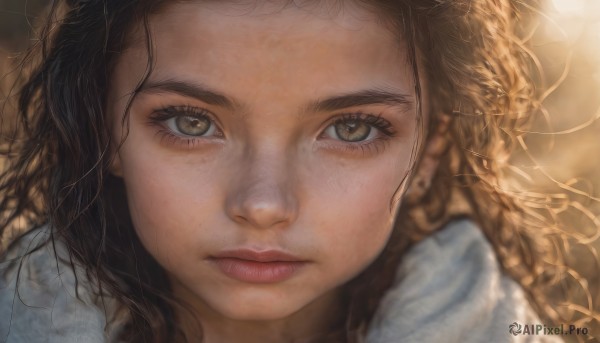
(481, 88)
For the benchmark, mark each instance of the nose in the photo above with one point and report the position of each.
(263, 195)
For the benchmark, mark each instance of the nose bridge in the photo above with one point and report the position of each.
(264, 193)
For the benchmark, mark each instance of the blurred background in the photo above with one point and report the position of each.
(560, 158)
(562, 154)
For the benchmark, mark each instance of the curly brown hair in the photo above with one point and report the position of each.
(481, 81)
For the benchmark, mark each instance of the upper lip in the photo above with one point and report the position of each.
(258, 256)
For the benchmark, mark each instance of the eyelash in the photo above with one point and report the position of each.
(385, 129)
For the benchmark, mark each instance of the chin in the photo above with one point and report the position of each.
(262, 312)
(256, 309)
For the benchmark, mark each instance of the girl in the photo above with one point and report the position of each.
(270, 171)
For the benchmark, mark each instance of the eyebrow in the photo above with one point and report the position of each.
(338, 102)
(360, 98)
(187, 89)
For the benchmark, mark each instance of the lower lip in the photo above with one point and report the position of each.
(257, 272)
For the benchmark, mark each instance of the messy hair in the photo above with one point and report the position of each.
(480, 80)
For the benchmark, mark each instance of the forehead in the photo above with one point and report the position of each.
(343, 12)
(255, 21)
(311, 47)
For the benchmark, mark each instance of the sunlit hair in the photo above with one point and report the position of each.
(480, 82)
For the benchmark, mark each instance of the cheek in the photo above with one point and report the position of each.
(170, 200)
(155, 210)
(357, 220)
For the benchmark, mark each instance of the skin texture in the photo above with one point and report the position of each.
(272, 173)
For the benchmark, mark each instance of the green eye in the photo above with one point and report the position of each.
(195, 126)
(351, 130)
(192, 126)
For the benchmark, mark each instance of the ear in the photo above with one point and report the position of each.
(436, 145)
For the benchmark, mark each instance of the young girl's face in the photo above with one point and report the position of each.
(264, 150)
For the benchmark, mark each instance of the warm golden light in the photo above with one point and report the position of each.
(570, 7)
